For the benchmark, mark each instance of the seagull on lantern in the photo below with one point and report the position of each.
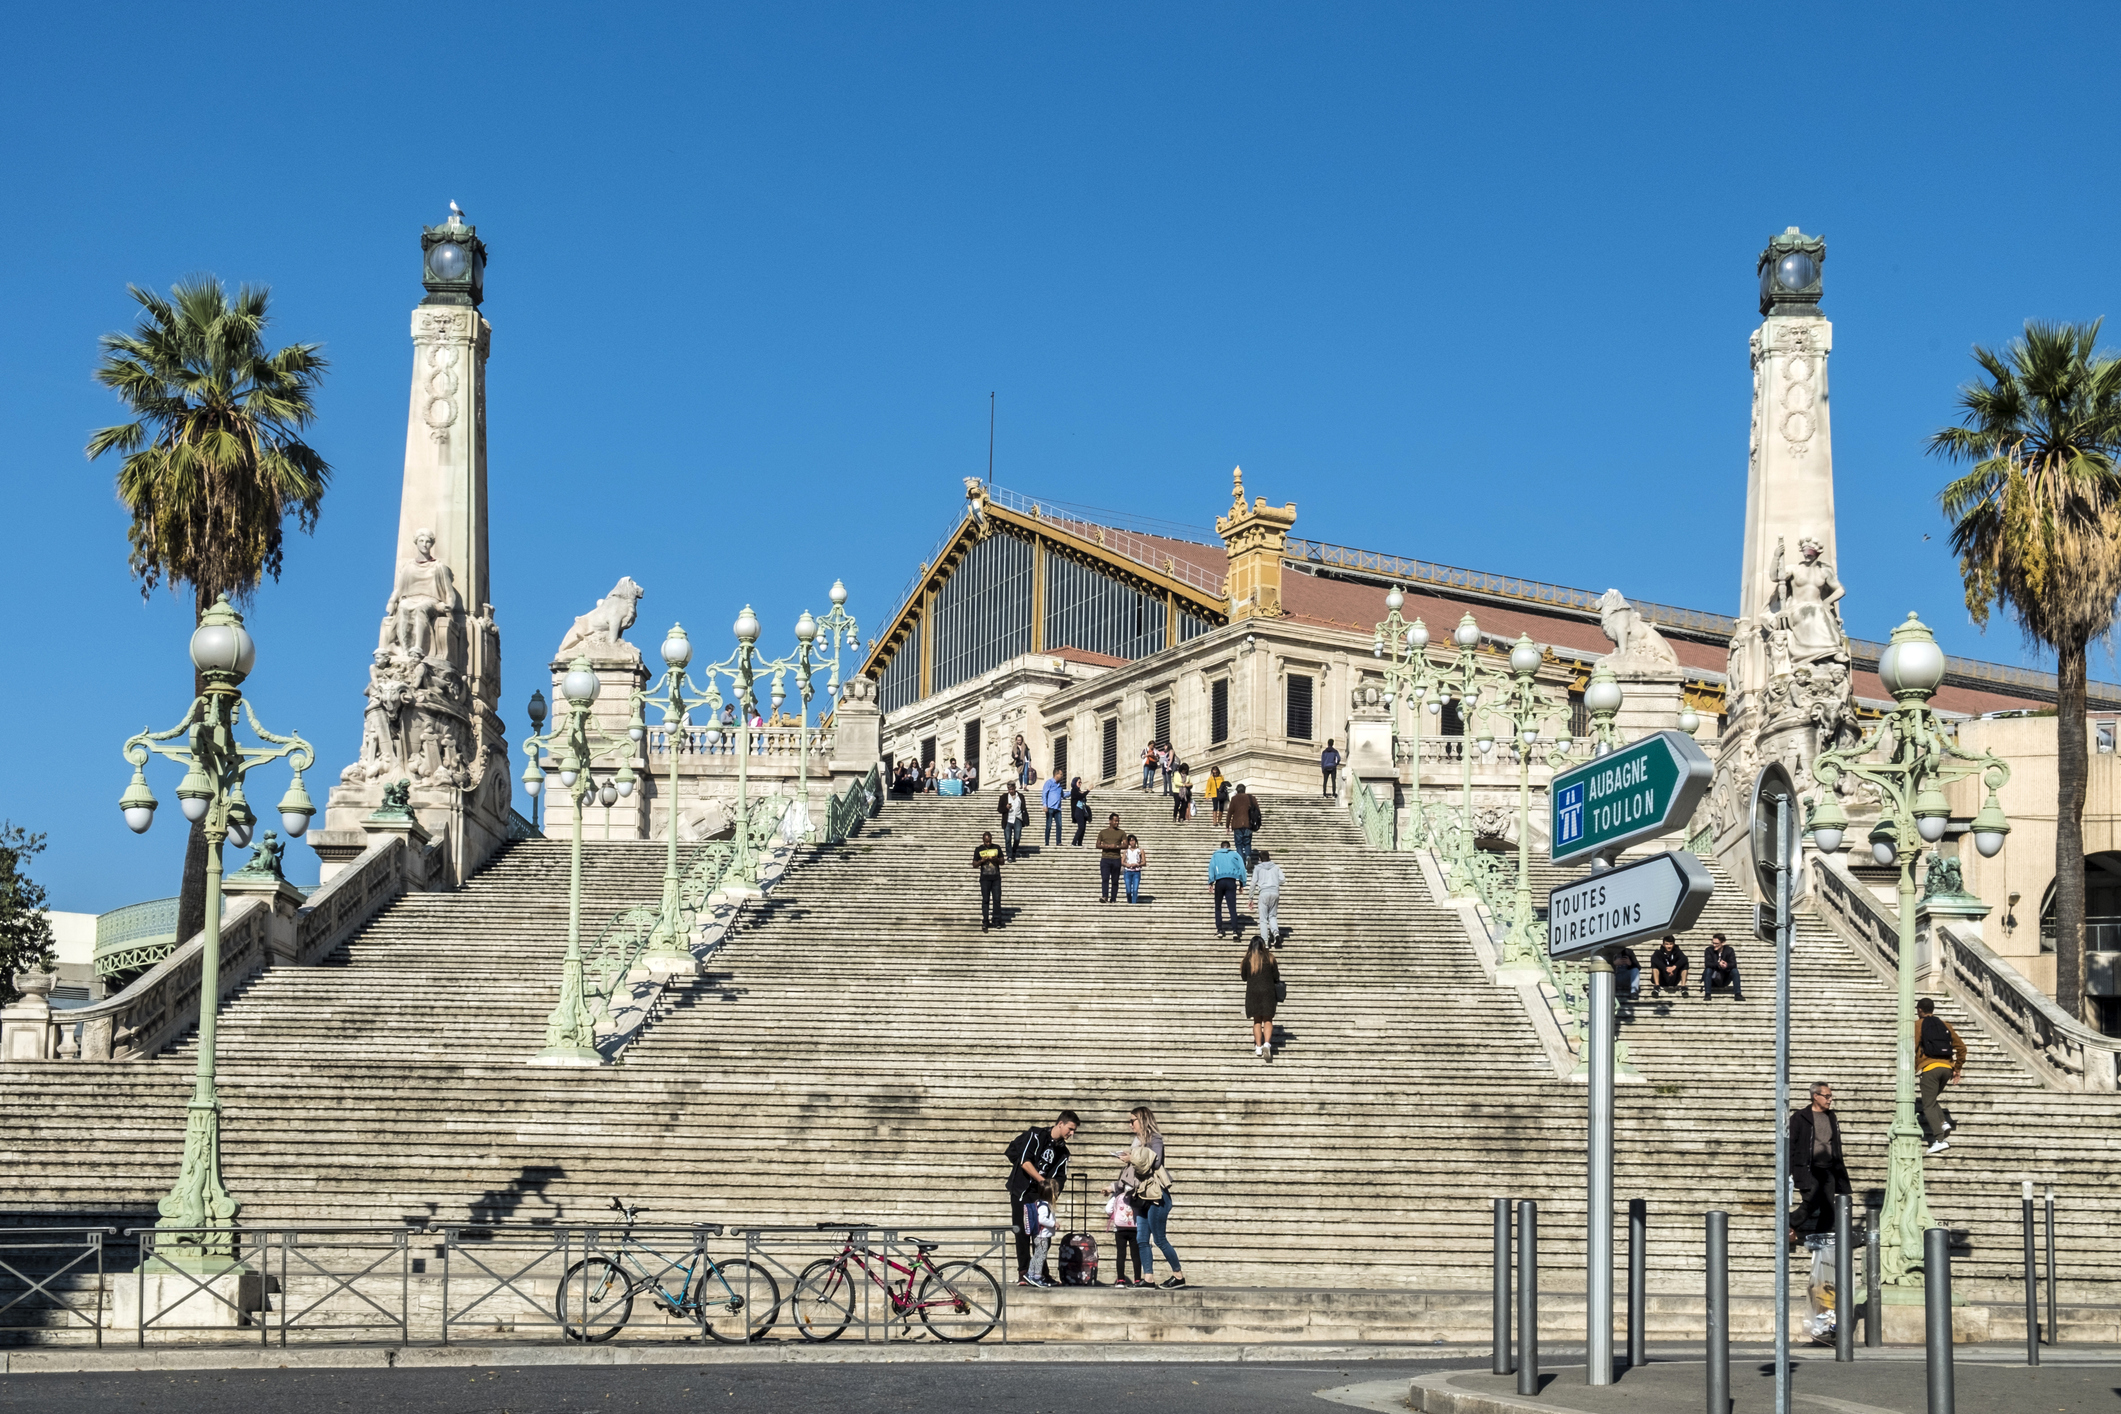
(456, 216)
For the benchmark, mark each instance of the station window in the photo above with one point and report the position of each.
(1298, 723)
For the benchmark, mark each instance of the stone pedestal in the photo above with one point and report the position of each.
(26, 1031)
(620, 673)
(857, 733)
(1650, 701)
(1944, 904)
(1369, 755)
(175, 1306)
(283, 898)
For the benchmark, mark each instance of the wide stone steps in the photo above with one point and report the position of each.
(860, 1050)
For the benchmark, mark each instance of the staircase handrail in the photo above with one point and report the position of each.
(161, 1006)
(2063, 1052)
(1375, 817)
(627, 936)
(845, 812)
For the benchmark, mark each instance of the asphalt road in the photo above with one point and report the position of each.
(1012, 1388)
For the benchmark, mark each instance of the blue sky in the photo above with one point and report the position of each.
(1470, 283)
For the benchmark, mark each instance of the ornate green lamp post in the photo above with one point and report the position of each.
(198, 1211)
(1521, 706)
(1409, 675)
(1466, 681)
(1916, 758)
(674, 695)
(576, 744)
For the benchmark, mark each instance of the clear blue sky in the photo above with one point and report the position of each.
(1466, 282)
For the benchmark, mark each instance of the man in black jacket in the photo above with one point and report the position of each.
(1815, 1162)
(1668, 967)
(1038, 1169)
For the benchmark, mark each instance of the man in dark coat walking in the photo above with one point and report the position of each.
(1815, 1162)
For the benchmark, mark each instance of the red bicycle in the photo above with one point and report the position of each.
(958, 1301)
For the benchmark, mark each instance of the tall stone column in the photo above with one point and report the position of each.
(1787, 693)
(434, 678)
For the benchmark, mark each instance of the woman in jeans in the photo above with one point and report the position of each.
(1131, 859)
(1079, 807)
(1146, 1158)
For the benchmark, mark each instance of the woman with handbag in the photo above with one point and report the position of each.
(1152, 1198)
(1262, 992)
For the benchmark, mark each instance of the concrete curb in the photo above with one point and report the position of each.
(65, 1360)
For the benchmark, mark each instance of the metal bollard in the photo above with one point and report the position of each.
(1527, 1296)
(1873, 1299)
(1503, 1363)
(1844, 1280)
(1937, 1333)
(1719, 1325)
(2032, 1278)
(2054, 1331)
(1638, 1293)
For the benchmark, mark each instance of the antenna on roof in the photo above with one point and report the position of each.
(990, 439)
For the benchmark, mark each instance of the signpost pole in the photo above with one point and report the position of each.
(1782, 1103)
(1598, 1246)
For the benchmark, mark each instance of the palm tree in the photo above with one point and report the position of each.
(2036, 521)
(213, 461)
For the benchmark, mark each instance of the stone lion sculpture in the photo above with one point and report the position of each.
(1636, 643)
(601, 626)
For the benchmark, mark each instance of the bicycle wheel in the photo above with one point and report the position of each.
(823, 1300)
(594, 1300)
(961, 1301)
(738, 1301)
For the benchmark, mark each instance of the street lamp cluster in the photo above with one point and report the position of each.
(1907, 758)
(571, 1031)
(198, 1212)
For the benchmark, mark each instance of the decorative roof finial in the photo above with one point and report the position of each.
(1237, 488)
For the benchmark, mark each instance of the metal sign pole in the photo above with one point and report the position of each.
(1782, 1104)
(1598, 1244)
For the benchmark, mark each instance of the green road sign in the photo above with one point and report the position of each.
(1633, 794)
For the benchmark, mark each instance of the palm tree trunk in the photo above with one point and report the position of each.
(2071, 768)
(191, 893)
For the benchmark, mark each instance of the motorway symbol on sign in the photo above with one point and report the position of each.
(1662, 894)
(1633, 794)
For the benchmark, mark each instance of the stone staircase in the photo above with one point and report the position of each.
(860, 1050)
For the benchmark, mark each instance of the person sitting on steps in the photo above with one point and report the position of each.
(1668, 967)
(1719, 968)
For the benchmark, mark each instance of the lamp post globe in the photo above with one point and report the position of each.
(1912, 665)
(747, 626)
(806, 628)
(221, 648)
(580, 683)
(677, 647)
(536, 709)
(838, 594)
(1418, 635)
(1467, 634)
(1525, 656)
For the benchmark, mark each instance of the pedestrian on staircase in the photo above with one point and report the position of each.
(1262, 978)
(1014, 811)
(1218, 793)
(1226, 875)
(1243, 820)
(1020, 763)
(1627, 973)
(1152, 1197)
(1719, 968)
(1132, 858)
(1038, 1170)
(988, 857)
(1165, 759)
(1329, 767)
(1181, 793)
(1149, 763)
(1940, 1056)
(1110, 841)
(1266, 897)
(1668, 967)
(1816, 1165)
(1079, 807)
(1055, 798)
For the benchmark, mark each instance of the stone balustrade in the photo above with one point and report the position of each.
(773, 743)
(271, 926)
(2065, 1053)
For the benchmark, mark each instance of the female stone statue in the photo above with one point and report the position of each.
(1807, 593)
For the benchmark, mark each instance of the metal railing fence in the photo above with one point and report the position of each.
(30, 1299)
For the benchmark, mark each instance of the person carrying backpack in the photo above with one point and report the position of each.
(1243, 819)
(1940, 1056)
(1038, 1170)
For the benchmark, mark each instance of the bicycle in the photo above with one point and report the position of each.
(734, 1301)
(959, 1301)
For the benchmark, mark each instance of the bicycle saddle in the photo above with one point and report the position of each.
(920, 1246)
